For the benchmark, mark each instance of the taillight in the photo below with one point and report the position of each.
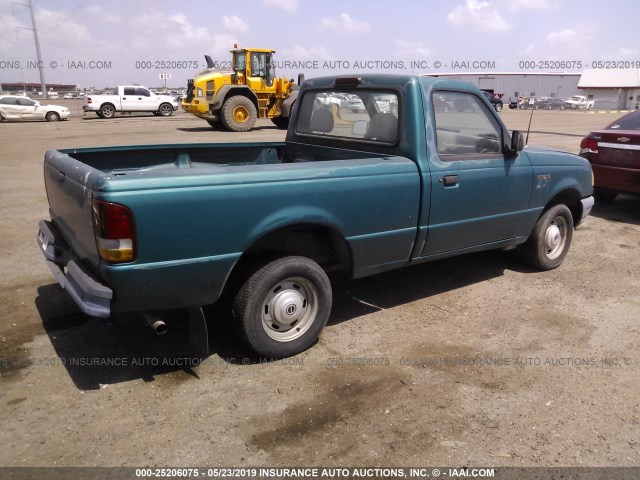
(588, 145)
(115, 232)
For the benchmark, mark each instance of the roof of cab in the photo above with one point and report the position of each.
(392, 80)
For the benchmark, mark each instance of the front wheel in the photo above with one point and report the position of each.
(239, 114)
(282, 308)
(52, 117)
(550, 240)
(165, 110)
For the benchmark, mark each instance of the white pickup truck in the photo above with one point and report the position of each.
(129, 99)
(578, 102)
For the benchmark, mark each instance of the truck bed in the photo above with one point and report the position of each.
(171, 159)
(198, 207)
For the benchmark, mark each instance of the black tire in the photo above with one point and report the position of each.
(605, 196)
(52, 117)
(550, 240)
(165, 110)
(215, 124)
(238, 114)
(281, 122)
(99, 115)
(107, 111)
(282, 308)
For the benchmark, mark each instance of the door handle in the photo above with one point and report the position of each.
(449, 180)
(124, 98)
(61, 176)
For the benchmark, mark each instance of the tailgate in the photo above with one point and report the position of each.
(69, 186)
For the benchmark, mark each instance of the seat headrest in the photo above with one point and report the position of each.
(321, 121)
(383, 127)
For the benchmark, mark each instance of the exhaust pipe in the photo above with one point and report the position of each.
(156, 323)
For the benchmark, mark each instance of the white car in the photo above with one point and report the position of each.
(578, 102)
(68, 95)
(13, 107)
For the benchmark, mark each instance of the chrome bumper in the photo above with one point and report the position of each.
(90, 295)
(587, 205)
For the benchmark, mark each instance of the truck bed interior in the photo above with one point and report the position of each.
(206, 156)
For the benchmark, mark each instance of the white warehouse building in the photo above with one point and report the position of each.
(614, 89)
(609, 88)
(511, 85)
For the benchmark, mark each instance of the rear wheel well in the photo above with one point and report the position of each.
(322, 244)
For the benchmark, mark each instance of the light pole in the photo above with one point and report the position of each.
(34, 28)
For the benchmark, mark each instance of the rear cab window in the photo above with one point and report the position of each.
(363, 115)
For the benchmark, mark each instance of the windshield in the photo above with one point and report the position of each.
(239, 61)
(366, 115)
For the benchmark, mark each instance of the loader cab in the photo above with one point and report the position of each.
(255, 68)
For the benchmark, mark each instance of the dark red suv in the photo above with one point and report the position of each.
(614, 153)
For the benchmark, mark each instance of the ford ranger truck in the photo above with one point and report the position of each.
(153, 227)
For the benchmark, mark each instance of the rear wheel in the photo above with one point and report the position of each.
(282, 308)
(52, 117)
(165, 110)
(238, 114)
(215, 124)
(107, 111)
(550, 240)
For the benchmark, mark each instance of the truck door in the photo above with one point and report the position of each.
(147, 101)
(477, 195)
(129, 100)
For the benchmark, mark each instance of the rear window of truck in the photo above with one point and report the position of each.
(366, 115)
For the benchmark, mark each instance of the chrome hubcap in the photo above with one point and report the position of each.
(289, 309)
(555, 238)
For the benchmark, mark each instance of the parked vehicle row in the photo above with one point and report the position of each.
(575, 102)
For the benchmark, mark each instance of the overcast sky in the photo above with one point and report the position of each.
(126, 40)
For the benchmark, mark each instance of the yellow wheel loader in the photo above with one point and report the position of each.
(236, 98)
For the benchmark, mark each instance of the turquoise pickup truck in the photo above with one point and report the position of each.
(424, 170)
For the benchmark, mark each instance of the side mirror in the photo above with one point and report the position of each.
(517, 144)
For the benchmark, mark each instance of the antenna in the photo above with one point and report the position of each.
(526, 140)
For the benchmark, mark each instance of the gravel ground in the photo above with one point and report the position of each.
(475, 360)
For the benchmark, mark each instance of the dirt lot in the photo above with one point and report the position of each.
(554, 379)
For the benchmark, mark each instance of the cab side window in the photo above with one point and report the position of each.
(129, 91)
(465, 128)
(142, 92)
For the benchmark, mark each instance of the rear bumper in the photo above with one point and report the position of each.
(90, 295)
(619, 179)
